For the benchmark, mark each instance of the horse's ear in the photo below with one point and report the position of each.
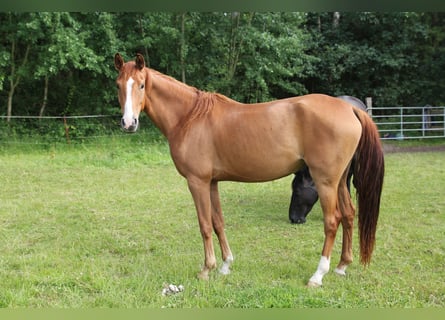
(140, 62)
(118, 61)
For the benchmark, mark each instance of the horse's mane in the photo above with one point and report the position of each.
(203, 103)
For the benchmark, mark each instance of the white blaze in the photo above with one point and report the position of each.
(128, 109)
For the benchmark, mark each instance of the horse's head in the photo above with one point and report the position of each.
(304, 196)
(131, 84)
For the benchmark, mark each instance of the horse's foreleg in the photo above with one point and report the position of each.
(347, 222)
(201, 196)
(218, 226)
(331, 216)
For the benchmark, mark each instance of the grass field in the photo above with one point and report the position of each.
(107, 224)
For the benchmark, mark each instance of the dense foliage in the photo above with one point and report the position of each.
(61, 63)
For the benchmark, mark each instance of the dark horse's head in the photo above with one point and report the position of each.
(304, 196)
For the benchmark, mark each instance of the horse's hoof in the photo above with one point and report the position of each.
(312, 284)
(203, 275)
(340, 272)
(224, 271)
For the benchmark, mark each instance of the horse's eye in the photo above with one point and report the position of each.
(142, 86)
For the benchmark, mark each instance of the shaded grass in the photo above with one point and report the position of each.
(107, 224)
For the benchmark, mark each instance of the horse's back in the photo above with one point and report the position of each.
(266, 141)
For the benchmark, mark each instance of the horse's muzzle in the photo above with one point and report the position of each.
(297, 218)
(132, 127)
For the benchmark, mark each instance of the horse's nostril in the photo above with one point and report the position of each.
(298, 220)
(122, 122)
(135, 122)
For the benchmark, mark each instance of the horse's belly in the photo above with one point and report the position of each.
(252, 169)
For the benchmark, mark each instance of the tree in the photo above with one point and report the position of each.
(248, 56)
(56, 63)
(53, 42)
(94, 76)
(62, 47)
(16, 28)
(388, 56)
(274, 60)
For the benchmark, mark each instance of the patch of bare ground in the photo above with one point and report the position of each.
(391, 148)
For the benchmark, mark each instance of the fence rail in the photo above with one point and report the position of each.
(54, 129)
(60, 117)
(397, 123)
(409, 122)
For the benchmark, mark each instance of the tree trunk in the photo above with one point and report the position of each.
(9, 108)
(14, 78)
(45, 97)
(147, 57)
(182, 49)
(335, 19)
(236, 42)
(11, 83)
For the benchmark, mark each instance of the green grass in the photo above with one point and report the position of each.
(109, 222)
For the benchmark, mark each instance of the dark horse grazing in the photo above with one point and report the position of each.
(213, 138)
(304, 192)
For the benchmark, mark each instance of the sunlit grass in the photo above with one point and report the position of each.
(107, 224)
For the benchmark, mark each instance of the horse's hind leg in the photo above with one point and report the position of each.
(348, 212)
(218, 226)
(331, 216)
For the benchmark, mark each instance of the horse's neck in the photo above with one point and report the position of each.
(169, 102)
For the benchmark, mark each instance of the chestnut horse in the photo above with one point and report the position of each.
(213, 138)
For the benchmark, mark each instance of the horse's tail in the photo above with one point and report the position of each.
(368, 171)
